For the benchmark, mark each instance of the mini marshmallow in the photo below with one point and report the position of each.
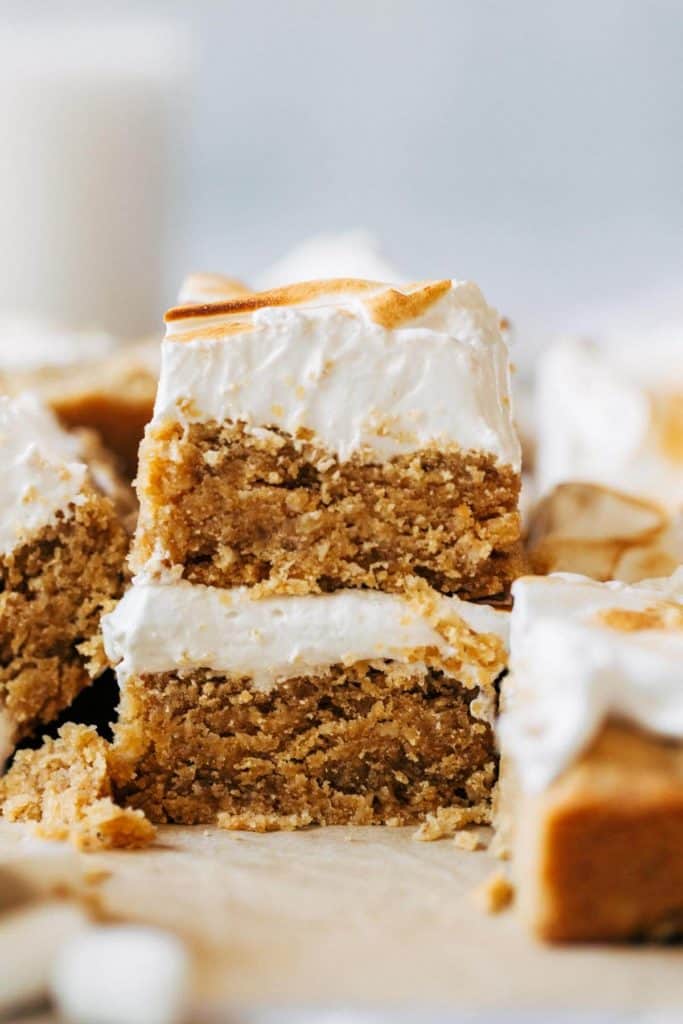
(122, 975)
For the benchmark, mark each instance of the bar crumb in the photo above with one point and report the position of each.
(468, 840)
(495, 894)
(447, 822)
(262, 822)
(65, 787)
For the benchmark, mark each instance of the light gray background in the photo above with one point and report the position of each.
(534, 145)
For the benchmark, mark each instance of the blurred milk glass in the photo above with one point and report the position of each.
(92, 118)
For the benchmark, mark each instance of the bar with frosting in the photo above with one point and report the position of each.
(591, 799)
(328, 532)
(334, 434)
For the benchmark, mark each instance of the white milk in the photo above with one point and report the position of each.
(91, 119)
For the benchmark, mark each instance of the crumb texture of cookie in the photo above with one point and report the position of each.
(53, 590)
(450, 822)
(65, 788)
(495, 894)
(361, 744)
(229, 508)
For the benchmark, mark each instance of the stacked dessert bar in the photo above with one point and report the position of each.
(592, 771)
(328, 513)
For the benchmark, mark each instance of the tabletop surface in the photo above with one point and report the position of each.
(364, 917)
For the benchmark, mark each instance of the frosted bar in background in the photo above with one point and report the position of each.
(92, 123)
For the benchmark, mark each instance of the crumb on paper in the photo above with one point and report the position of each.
(469, 840)
(495, 894)
(448, 821)
(263, 822)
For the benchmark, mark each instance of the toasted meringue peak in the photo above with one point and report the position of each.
(393, 308)
(603, 533)
(205, 287)
(593, 513)
(387, 305)
(665, 615)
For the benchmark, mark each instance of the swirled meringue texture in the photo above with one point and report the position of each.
(355, 365)
(583, 652)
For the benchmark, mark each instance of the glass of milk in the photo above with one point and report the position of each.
(92, 120)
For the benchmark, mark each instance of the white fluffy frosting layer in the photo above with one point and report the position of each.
(183, 626)
(614, 416)
(39, 472)
(570, 671)
(331, 365)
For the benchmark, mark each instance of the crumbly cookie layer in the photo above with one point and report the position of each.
(236, 508)
(53, 591)
(65, 788)
(371, 743)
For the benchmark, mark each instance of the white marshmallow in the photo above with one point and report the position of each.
(30, 939)
(122, 975)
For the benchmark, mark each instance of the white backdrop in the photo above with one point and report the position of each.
(534, 145)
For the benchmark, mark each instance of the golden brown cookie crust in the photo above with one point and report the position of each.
(227, 508)
(369, 743)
